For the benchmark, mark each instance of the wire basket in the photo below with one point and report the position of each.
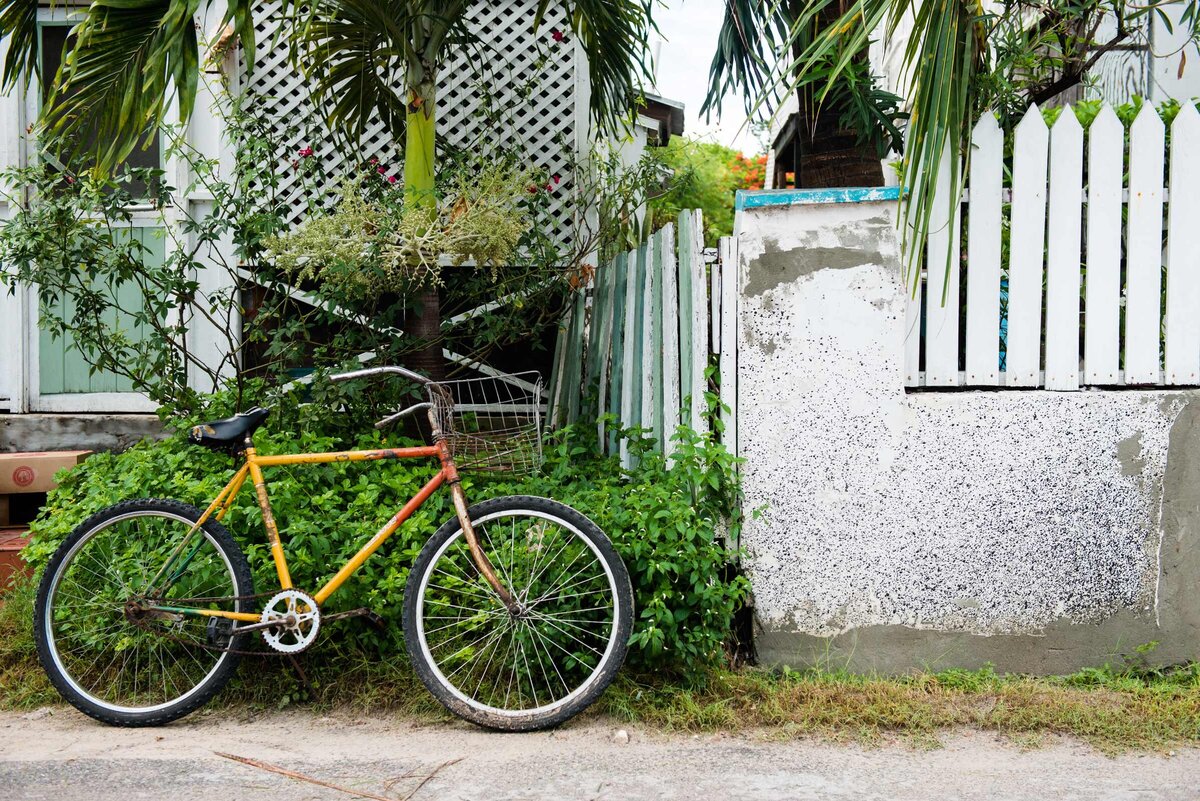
(493, 423)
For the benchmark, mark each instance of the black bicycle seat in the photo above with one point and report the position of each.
(230, 431)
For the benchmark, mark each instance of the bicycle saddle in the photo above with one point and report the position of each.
(230, 431)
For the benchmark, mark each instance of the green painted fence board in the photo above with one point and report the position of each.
(687, 258)
(620, 266)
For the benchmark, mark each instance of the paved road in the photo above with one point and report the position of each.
(61, 755)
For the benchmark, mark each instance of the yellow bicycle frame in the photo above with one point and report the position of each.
(252, 468)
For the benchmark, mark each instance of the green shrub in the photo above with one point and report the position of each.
(662, 521)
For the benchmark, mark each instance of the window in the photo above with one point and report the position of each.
(56, 39)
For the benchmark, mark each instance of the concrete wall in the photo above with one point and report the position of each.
(1038, 531)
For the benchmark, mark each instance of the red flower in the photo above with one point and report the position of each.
(381, 170)
(531, 189)
(557, 178)
(557, 35)
(549, 187)
(391, 179)
(373, 161)
(306, 152)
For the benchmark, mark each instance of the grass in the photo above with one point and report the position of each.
(1146, 710)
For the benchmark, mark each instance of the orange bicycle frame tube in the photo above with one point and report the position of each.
(252, 468)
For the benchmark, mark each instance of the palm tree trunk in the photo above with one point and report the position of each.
(827, 155)
(423, 322)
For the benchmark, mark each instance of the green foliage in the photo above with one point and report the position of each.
(706, 176)
(664, 522)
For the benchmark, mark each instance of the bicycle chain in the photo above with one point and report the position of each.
(210, 647)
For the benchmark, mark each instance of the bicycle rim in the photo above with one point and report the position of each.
(144, 664)
(554, 649)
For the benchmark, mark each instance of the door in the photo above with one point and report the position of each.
(60, 378)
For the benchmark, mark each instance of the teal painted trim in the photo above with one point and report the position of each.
(760, 198)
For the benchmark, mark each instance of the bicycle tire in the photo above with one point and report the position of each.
(58, 630)
(467, 705)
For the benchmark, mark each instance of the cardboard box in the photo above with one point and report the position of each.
(34, 472)
(12, 540)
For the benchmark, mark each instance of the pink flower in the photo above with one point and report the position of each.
(70, 180)
(381, 170)
(391, 179)
(557, 178)
(306, 152)
(557, 35)
(373, 161)
(549, 187)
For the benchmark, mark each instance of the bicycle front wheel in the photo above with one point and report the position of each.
(542, 663)
(117, 620)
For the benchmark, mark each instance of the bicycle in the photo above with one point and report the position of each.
(517, 612)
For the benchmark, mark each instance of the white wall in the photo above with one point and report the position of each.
(983, 514)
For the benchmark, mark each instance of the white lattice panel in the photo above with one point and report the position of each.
(505, 59)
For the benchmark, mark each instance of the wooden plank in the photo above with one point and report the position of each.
(1064, 238)
(672, 286)
(631, 381)
(1027, 241)
(652, 343)
(554, 416)
(913, 308)
(1143, 263)
(607, 279)
(1182, 357)
(728, 361)
(617, 360)
(1102, 284)
(714, 303)
(574, 366)
(699, 327)
(983, 253)
(595, 312)
(687, 255)
(943, 265)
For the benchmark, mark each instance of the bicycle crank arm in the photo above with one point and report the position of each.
(373, 618)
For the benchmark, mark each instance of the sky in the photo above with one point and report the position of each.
(690, 28)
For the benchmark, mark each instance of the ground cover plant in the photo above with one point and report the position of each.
(1112, 709)
(663, 521)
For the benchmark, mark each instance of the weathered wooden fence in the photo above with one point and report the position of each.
(637, 340)
(1079, 234)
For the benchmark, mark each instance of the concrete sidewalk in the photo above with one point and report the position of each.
(61, 755)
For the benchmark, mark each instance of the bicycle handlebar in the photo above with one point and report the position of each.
(389, 369)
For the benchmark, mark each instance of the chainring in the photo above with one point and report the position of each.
(297, 621)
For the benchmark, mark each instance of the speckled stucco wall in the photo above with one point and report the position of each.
(1021, 528)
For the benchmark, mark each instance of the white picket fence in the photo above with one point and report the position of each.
(1121, 290)
(638, 337)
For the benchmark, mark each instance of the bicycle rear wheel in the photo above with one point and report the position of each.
(557, 653)
(122, 659)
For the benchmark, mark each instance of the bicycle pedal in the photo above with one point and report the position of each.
(376, 620)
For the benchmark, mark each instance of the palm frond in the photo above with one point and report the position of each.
(947, 47)
(363, 54)
(130, 57)
(18, 25)
(614, 35)
(747, 56)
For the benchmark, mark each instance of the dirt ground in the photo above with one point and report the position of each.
(58, 754)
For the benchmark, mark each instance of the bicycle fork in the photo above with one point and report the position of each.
(482, 563)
